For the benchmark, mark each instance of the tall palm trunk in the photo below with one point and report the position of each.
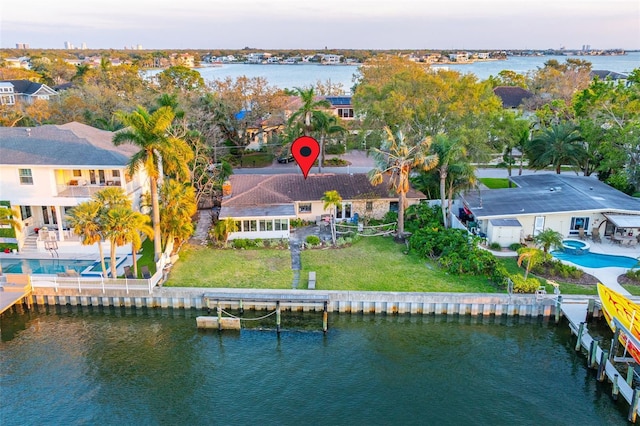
(155, 206)
(401, 200)
(102, 262)
(114, 269)
(443, 207)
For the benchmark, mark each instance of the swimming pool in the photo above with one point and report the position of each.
(43, 266)
(596, 260)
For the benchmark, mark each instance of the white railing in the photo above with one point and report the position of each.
(97, 283)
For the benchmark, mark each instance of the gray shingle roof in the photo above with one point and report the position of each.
(512, 96)
(550, 193)
(71, 144)
(251, 190)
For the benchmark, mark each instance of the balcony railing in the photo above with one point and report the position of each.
(87, 191)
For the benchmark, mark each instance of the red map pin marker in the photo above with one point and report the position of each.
(305, 150)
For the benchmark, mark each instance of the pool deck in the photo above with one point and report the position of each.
(609, 276)
(69, 256)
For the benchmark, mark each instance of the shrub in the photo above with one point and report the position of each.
(495, 246)
(334, 148)
(520, 285)
(313, 240)
(633, 274)
(515, 246)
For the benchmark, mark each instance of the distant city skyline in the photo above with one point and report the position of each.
(334, 24)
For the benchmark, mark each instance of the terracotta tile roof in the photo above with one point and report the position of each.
(252, 190)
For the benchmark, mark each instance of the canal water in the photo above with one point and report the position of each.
(108, 366)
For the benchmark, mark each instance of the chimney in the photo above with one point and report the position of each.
(226, 189)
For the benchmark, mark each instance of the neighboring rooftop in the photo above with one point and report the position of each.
(71, 144)
(550, 193)
(512, 96)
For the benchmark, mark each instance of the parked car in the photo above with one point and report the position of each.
(286, 158)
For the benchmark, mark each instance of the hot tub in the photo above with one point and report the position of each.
(575, 246)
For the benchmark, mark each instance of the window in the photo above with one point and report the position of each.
(249, 226)
(343, 211)
(577, 223)
(77, 173)
(115, 173)
(266, 225)
(304, 208)
(369, 206)
(281, 224)
(345, 112)
(25, 212)
(25, 177)
(393, 206)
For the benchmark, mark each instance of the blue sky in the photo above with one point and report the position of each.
(308, 24)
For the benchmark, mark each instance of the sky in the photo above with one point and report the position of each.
(316, 24)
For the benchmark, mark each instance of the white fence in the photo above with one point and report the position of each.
(96, 283)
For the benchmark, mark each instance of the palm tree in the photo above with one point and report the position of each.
(560, 144)
(138, 223)
(223, 228)
(84, 219)
(449, 151)
(533, 256)
(123, 226)
(547, 239)
(398, 158)
(112, 197)
(333, 200)
(324, 124)
(150, 133)
(6, 218)
(302, 117)
(178, 208)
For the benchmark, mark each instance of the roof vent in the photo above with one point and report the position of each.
(28, 132)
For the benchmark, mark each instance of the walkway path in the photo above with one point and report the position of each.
(202, 227)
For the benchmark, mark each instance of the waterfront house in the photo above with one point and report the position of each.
(264, 205)
(25, 91)
(47, 170)
(564, 203)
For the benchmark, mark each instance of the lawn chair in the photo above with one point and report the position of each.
(145, 272)
(128, 273)
(581, 234)
(595, 235)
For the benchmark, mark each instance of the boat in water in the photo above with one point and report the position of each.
(623, 315)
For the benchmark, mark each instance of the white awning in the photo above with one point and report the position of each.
(623, 220)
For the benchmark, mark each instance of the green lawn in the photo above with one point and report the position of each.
(379, 264)
(205, 267)
(495, 183)
(371, 264)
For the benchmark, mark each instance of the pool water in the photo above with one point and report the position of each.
(43, 266)
(596, 260)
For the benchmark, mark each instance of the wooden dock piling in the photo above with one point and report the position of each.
(615, 390)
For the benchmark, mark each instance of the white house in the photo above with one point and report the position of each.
(47, 170)
(564, 203)
(264, 205)
(27, 91)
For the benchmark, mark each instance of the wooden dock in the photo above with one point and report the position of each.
(600, 358)
(13, 289)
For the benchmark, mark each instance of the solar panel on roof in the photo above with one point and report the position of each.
(339, 100)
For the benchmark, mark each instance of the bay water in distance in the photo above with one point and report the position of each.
(304, 75)
(112, 366)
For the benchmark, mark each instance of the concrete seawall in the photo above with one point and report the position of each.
(304, 300)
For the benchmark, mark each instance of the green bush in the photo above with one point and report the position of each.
(10, 246)
(313, 240)
(244, 243)
(495, 246)
(334, 148)
(7, 232)
(515, 246)
(522, 286)
(633, 274)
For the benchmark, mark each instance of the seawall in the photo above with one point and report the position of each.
(305, 300)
